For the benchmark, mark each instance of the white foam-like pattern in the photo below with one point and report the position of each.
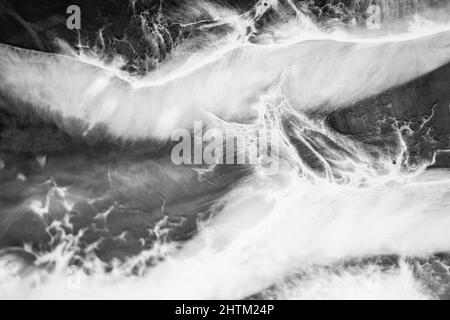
(257, 240)
(367, 283)
(317, 74)
(266, 228)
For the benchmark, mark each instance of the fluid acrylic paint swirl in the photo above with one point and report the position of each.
(342, 216)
